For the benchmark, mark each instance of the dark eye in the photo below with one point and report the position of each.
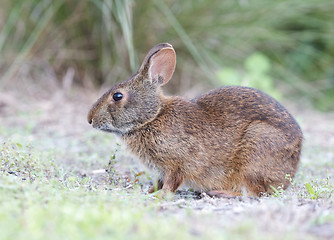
(117, 96)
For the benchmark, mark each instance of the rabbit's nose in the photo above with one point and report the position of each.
(90, 117)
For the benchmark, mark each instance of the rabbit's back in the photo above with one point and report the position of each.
(243, 105)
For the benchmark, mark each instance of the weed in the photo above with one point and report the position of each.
(278, 192)
(311, 191)
(323, 188)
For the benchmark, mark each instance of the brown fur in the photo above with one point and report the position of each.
(226, 140)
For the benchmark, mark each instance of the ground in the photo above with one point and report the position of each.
(62, 179)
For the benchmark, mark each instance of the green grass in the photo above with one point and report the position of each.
(54, 211)
(105, 41)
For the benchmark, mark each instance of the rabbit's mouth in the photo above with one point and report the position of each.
(106, 128)
(115, 131)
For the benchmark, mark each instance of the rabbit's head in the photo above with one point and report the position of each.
(136, 101)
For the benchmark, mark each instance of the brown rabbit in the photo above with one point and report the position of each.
(226, 141)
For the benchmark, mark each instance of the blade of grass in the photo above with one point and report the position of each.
(123, 13)
(27, 48)
(188, 43)
(9, 24)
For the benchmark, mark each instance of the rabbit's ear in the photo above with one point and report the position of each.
(159, 64)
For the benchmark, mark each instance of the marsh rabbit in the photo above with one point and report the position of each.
(226, 142)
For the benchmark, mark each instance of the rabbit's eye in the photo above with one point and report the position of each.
(117, 96)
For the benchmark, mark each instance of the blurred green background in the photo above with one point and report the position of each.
(284, 47)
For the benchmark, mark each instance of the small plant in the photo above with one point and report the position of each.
(136, 180)
(313, 194)
(113, 178)
(19, 161)
(278, 192)
(320, 188)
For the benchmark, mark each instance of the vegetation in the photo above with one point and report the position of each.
(61, 179)
(103, 41)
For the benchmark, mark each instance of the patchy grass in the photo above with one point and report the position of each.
(41, 200)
